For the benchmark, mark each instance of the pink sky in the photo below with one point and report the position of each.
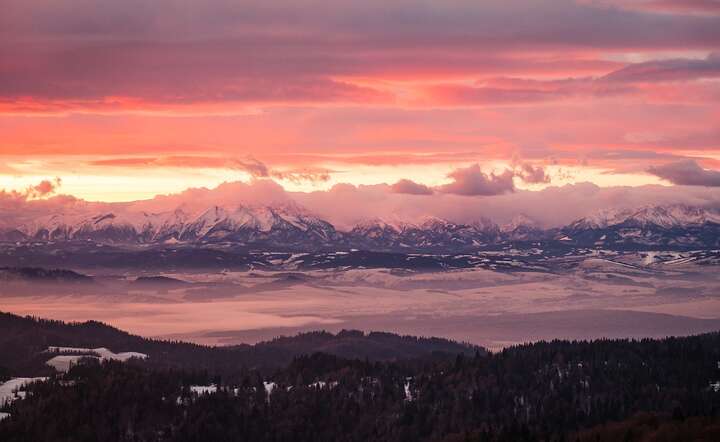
(120, 101)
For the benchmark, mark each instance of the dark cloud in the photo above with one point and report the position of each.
(222, 50)
(681, 6)
(623, 81)
(410, 187)
(472, 181)
(687, 173)
(627, 80)
(249, 165)
(253, 167)
(532, 174)
(313, 175)
(681, 69)
(712, 6)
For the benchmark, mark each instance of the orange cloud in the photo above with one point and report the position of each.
(351, 86)
(43, 189)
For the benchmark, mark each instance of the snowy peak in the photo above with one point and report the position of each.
(388, 226)
(660, 216)
(674, 216)
(284, 226)
(600, 219)
(435, 223)
(213, 223)
(244, 223)
(107, 225)
(520, 222)
(485, 225)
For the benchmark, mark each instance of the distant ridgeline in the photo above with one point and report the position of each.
(36, 274)
(432, 390)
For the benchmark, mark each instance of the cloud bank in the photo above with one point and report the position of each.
(173, 51)
(344, 204)
(410, 187)
(687, 173)
(472, 181)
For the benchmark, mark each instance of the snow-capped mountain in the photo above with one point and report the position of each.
(657, 226)
(428, 233)
(376, 233)
(674, 216)
(522, 228)
(520, 221)
(288, 226)
(247, 224)
(600, 219)
(677, 215)
(106, 227)
(237, 224)
(436, 232)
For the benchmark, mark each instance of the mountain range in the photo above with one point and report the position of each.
(290, 227)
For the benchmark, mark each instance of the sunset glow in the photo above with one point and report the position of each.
(359, 220)
(122, 103)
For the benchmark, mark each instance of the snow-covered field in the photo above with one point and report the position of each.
(63, 361)
(13, 389)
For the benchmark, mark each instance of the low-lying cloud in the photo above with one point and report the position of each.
(344, 204)
(688, 173)
(532, 174)
(410, 187)
(43, 189)
(472, 181)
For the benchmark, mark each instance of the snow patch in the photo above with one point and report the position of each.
(269, 387)
(63, 362)
(11, 390)
(203, 389)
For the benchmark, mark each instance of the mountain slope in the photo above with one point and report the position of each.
(676, 226)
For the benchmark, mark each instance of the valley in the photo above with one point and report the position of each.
(493, 299)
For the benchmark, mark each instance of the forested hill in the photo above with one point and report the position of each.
(23, 340)
(600, 391)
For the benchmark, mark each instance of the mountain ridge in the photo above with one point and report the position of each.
(290, 225)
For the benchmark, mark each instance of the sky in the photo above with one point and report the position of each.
(419, 100)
